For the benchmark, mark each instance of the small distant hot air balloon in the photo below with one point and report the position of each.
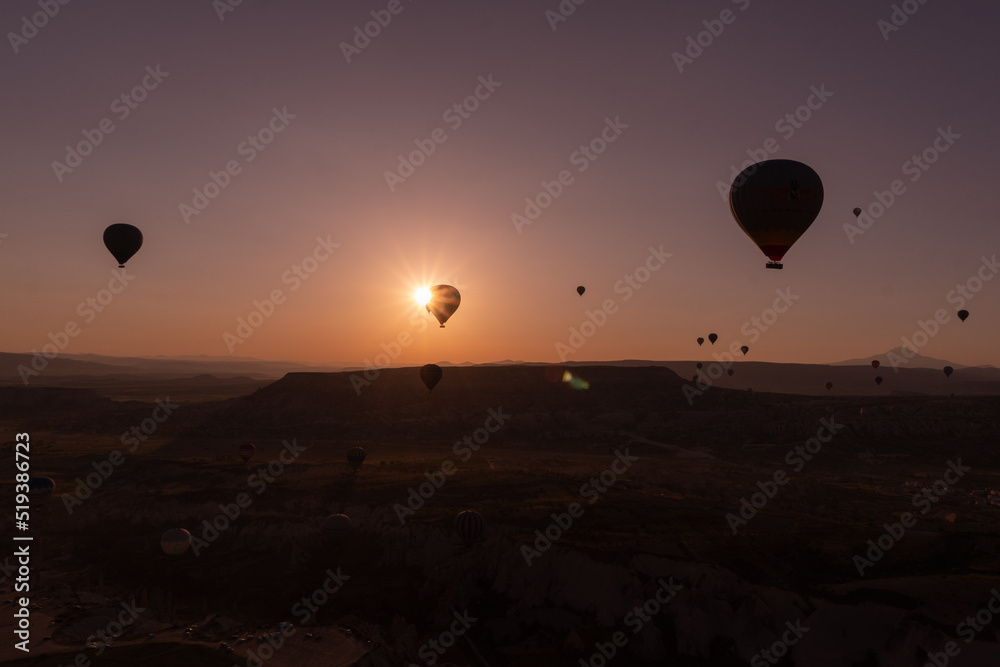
(469, 526)
(175, 541)
(356, 456)
(829, 386)
(744, 350)
(247, 452)
(338, 525)
(430, 374)
(948, 370)
(878, 379)
(712, 338)
(700, 340)
(774, 202)
(730, 371)
(444, 302)
(580, 290)
(875, 363)
(40, 489)
(694, 378)
(857, 212)
(123, 241)
(962, 314)
(698, 365)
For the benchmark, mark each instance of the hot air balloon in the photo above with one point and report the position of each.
(123, 241)
(774, 202)
(430, 374)
(444, 302)
(338, 524)
(247, 452)
(829, 386)
(40, 488)
(857, 212)
(701, 340)
(469, 526)
(948, 370)
(356, 456)
(580, 290)
(175, 541)
(878, 379)
(712, 338)
(744, 350)
(730, 371)
(698, 365)
(875, 363)
(962, 314)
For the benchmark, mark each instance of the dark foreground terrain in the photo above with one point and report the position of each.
(624, 524)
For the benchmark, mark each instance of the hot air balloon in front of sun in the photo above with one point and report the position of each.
(775, 202)
(444, 301)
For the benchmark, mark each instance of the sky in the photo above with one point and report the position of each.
(311, 121)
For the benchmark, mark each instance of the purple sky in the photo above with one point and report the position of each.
(343, 126)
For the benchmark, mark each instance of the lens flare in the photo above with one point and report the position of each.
(422, 295)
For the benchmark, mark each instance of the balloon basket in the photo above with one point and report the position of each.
(774, 265)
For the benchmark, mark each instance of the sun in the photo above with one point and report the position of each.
(422, 295)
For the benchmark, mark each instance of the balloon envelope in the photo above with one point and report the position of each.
(247, 452)
(731, 371)
(829, 386)
(469, 526)
(444, 302)
(878, 380)
(701, 340)
(948, 370)
(338, 524)
(430, 374)
(712, 338)
(774, 202)
(175, 541)
(962, 314)
(356, 456)
(744, 350)
(698, 365)
(580, 290)
(123, 241)
(857, 212)
(875, 363)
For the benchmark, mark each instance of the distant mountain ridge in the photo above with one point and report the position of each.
(900, 355)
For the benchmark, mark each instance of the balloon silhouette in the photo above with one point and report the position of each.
(875, 363)
(829, 386)
(857, 212)
(730, 371)
(123, 241)
(878, 380)
(356, 456)
(469, 526)
(40, 488)
(948, 370)
(444, 302)
(247, 452)
(774, 202)
(580, 290)
(744, 350)
(430, 374)
(712, 338)
(175, 541)
(962, 314)
(701, 340)
(338, 524)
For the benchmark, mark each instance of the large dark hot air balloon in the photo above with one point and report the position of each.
(744, 350)
(774, 202)
(123, 241)
(878, 379)
(469, 526)
(40, 489)
(356, 456)
(948, 370)
(700, 340)
(444, 302)
(430, 374)
(962, 314)
(712, 338)
(875, 363)
(580, 290)
(829, 386)
(247, 451)
(175, 541)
